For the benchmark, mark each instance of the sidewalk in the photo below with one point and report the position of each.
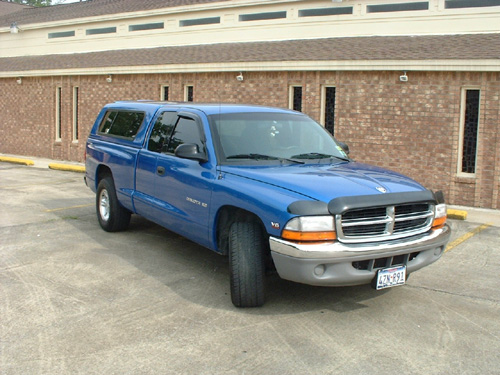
(470, 214)
(477, 215)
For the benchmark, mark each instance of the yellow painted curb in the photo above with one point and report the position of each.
(457, 214)
(9, 159)
(67, 167)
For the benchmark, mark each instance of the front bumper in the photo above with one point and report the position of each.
(332, 264)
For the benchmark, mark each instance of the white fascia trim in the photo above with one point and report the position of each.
(357, 65)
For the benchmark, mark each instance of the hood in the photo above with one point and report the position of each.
(326, 182)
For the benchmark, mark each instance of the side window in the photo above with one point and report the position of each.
(161, 131)
(107, 122)
(124, 124)
(186, 131)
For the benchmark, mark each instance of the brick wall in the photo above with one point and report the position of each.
(410, 127)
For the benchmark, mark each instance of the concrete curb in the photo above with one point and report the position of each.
(457, 214)
(9, 159)
(43, 163)
(67, 167)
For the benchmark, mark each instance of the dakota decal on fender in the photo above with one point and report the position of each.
(196, 202)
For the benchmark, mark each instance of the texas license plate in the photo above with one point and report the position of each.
(390, 277)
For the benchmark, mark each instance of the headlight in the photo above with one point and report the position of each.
(310, 228)
(440, 216)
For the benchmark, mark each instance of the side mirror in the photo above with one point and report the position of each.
(344, 147)
(190, 151)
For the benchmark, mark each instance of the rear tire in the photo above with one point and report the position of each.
(112, 216)
(247, 264)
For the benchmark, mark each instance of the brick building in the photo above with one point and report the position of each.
(413, 86)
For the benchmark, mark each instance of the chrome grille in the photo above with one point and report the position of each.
(384, 223)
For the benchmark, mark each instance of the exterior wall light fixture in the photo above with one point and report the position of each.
(14, 29)
(240, 77)
(19, 80)
(109, 79)
(403, 78)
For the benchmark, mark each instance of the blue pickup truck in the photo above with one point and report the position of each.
(268, 187)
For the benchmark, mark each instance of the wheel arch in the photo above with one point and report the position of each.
(102, 171)
(226, 216)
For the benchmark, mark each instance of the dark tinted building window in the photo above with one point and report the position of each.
(470, 131)
(454, 4)
(63, 34)
(297, 98)
(104, 30)
(189, 93)
(401, 7)
(262, 16)
(330, 93)
(317, 12)
(146, 26)
(199, 21)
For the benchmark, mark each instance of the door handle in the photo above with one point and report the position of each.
(160, 171)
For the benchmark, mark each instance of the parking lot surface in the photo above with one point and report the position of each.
(77, 300)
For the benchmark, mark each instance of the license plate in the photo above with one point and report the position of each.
(390, 277)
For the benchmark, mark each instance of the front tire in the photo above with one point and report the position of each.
(247, 264)
(112, 216)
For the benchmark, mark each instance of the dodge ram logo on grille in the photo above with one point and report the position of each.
(381, 189)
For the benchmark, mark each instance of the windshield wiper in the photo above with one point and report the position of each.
(316, 155)
(262, 157)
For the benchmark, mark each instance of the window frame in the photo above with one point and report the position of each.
(186, 93)
(75, 125)
(167, 139)
(263, 16)
(464, 4)
(200, 21)
(101, 31)
(199, 126)
(397, 7)
(323, 106)
(162, 92)
(58, 114)
(106, 116)
(463, 108)
(146, 26)
(325, 12)
(61, 34)
(291, 97)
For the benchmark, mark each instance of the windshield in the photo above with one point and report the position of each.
(268, 136)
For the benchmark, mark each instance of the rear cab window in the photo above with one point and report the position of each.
(122, 124)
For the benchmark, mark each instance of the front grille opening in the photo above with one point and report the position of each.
(367, 213)
(379, 263)
(365, 230)
(384, 223)
(413, 256)
(411, 208)
(410, 224)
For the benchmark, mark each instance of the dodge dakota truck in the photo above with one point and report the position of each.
(269, 188)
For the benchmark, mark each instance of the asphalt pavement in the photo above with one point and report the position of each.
(77, 300)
